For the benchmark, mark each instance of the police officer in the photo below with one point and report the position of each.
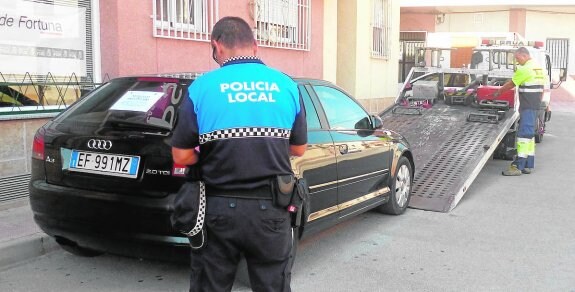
(530, 79)
(247, 119)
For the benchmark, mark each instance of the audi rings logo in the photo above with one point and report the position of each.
(99, 144)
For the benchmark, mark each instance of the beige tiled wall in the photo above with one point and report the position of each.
(376, 105)
(16, 138)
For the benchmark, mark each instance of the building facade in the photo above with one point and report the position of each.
(461, 23)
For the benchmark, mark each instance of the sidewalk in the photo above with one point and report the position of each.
(20, 237)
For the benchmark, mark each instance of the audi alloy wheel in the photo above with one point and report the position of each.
(402, 185)
(400, 189)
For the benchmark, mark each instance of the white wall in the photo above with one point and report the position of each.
(541, 26)
(376, 77)
(330, 40)
(358, 73)
(469, 22)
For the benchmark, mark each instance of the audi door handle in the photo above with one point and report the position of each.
(343, 149)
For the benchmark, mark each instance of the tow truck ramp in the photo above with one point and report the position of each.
(449, 151)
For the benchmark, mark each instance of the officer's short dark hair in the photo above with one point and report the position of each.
(523, 51)
(233, 32)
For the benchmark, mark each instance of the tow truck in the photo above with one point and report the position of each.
(454, 127)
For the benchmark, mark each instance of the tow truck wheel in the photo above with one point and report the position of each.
(538, 138)
(540, 128)
(400, 189)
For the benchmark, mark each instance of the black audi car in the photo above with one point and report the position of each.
(103, 179)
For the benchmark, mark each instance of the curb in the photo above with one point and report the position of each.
(18, 250)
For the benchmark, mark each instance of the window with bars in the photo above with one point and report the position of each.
(184, 19)
(283, 23)
(381, 28)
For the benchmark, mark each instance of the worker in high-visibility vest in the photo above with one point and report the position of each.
(529, 79)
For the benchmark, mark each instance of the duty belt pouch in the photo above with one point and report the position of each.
(300, 203)
(189, 211)
(282, 187)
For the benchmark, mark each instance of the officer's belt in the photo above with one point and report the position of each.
(257, 193)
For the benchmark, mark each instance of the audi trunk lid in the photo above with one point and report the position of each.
(117, 139)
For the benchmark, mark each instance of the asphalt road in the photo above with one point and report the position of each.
(506, 234)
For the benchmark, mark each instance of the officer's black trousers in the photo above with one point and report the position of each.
(252, 227)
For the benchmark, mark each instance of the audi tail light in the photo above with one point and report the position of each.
(38, 145)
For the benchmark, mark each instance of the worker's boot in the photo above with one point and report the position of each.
(511, 171)
(527, 170)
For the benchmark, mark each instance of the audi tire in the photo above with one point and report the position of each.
(400, 189)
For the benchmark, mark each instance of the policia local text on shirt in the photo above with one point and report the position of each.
(247, 119)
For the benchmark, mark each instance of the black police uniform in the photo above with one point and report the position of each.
(244, 116)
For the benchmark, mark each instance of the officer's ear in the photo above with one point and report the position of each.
(215, 51)
(255, 47)
(214, 54)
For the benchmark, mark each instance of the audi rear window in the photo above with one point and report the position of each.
(128, 102)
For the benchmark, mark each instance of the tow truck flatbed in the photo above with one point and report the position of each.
(449, 150)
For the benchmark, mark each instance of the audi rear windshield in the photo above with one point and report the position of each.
(144, 103)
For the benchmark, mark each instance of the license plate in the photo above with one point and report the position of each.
(105, 163)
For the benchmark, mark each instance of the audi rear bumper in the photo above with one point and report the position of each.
(112, 223)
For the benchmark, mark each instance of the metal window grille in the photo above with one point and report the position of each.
(184, 19)
(558, 49)
(283, 23)
(381, 28)
(38, 95)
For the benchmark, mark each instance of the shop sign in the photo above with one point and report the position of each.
(40, 38)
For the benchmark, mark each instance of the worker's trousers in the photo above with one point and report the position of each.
(526, 139)
(250, 227)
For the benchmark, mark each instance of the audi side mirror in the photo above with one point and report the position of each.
(376, 122)
(367, 125)
(363, 124)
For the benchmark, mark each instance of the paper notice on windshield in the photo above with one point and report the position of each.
(137, 101)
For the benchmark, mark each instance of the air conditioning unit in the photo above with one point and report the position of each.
(275, 34)
(276, 20)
